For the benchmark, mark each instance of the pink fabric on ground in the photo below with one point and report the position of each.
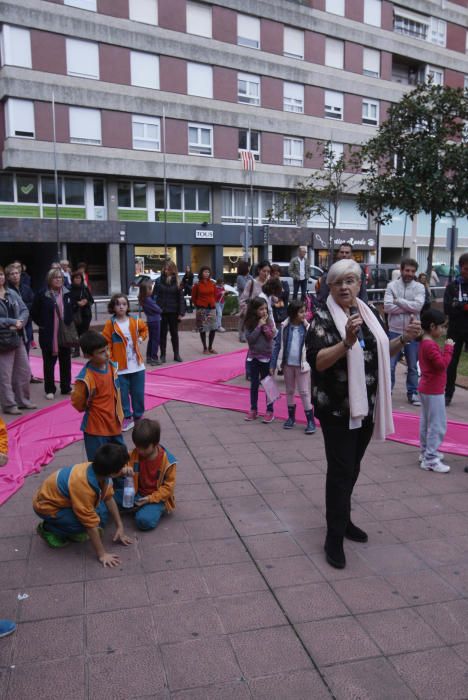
(407, 432)
(221, 368)
(37, 368)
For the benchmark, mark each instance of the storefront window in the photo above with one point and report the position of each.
(6, 188)
(231, 258)
(150, 259)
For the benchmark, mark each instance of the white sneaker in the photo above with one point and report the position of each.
(50, 397)
(221, 330)
(440, 455)
(436, 466)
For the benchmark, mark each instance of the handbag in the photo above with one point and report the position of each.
(10, 339)
(78, 317)
(67, 336)
(271, 389)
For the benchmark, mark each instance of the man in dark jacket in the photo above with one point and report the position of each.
(345, 251)
(456, 308)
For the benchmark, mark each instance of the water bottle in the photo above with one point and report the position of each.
(128, 493)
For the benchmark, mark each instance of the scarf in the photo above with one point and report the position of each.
(58, 315)
(358, 403)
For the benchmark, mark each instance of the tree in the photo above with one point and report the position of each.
(418, 159)
(318, 194)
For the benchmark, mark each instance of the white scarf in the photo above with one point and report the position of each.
(358, 403)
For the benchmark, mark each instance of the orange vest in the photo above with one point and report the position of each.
(118, 343)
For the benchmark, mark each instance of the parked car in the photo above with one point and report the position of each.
(378, 276)
(315, 274)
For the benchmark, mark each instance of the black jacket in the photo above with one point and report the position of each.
(456, 307)
(43, 313)
(169, 296)
(79, 293)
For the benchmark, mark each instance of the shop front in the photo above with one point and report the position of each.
(364, 245)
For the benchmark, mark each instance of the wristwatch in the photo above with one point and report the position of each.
(402, 340)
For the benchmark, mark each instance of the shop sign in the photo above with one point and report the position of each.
(202, 233)
(321, 241)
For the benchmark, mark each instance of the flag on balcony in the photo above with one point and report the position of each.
(248, 160)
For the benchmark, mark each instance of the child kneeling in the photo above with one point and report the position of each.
(75, 502)
(154, 475)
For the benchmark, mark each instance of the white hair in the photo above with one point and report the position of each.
(343, 268)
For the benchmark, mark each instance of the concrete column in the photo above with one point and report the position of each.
(216, 205)
(113, 268)
(218, 261)
(112, 202)
(186, 257)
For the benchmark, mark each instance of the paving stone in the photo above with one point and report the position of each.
(273, 650)
(186, 621)
(49, 639)
(12, 526)
(449, 523)
(391, 558)
(176, 586)
(111, 594)
(200, 662)
(118, 629)
(412, 529)
(224, 551)
(210, 529)
(231, 691)
(422, 587)
(249, 611)
(449, 620)
(368, 593)
(233, 578)
(50, 680)
(14, 548)
(14, 575)
(372, 679)
(434, 674)
(296, 685)
(215, 476)
(272, 545)
(112, 675)
(55, 600)
(280, 572)
(438, 552)
(186, 510)
(162, 557)
(397, 631)
(312, 601)
(355, 567)
(336, 640)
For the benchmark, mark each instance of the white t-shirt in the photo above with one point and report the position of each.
(132, 358)
(294, 357)
(302, 264)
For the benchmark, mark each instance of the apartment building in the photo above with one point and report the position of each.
(176, 97)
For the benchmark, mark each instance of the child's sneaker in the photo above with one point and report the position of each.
(7, 627)
(50, 538)
(440, 455)
(127, 424)
(251, 415)
(436, 466)
(78, 537)
(268, 417)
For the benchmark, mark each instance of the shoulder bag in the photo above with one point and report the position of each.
(67, 334)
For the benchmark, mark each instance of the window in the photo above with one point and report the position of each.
(248, 31)
(144, 11)
(82, 59)
(371, 63)
(131, 195)
(7, 191)
(370, 112)
(200, 140)
(334, 53)
(336, 7)
(373, 12)
(74, 191)
(144, 68)
(20, 118)
(293, 152)
(98, 193)
(48, 190)
(15, 46)
(437, 31)
(82, 4)
(333, 105)
(85, 125)
(410, 24)
(336, 151)
(250, 141)
(248, 89)
(71, 191)
(196, 198)
(236, 205)
(434, 74)
(27, 189)
(199, 19)
(293, 43)
(146, 133)
(293, 97)
(199, 80)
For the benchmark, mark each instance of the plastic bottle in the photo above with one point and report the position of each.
(128, 500)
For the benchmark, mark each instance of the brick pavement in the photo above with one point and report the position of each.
(230, 598)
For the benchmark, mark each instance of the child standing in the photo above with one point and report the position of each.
(6, 626)
(433, 363)
(153, 319)
(154, 474)
(74, 502)
(219, 296)
(124, 333)
(97, 393)
(296, 369)
(259, 331)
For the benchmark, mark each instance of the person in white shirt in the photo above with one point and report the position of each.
(299, 271)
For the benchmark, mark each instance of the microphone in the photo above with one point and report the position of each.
(354, 310)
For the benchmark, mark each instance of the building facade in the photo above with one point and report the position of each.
(155, 97)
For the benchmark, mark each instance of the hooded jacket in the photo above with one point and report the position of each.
(401, 301)
(456, 307)
(165, 485)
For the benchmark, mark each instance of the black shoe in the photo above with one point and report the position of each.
(36, 380)
(310, 427)
(67, 392)
(177, 358)
(448, 400)
(163, 358)
(334, 552)
(287, 425)
(354, 533)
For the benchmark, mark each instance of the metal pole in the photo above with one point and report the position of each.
(57, 227)
(164, 178)
(404, 237)
(251, 209)
(453, 242)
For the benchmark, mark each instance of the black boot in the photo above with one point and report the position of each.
(177, 358)
(163, 358)
(354, 533)
(287, 425)
(310, 427)
(334, 552)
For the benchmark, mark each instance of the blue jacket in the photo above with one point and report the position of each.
(283, 340)
(152, 310)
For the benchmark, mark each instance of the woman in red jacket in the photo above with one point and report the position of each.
(204, 300)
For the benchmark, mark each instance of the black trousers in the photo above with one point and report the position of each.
(344, 449)
(49, 361)
(303, 285)
(169, 323)
(460, 340)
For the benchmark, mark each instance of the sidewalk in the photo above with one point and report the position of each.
(230, 598)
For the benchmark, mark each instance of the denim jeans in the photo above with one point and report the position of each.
(219, 315)
(154, 331)
(258, 370)
(148, 516)
(65, 521)
(410, 351)
(133, 385)
(93, 442)
(303, 285)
